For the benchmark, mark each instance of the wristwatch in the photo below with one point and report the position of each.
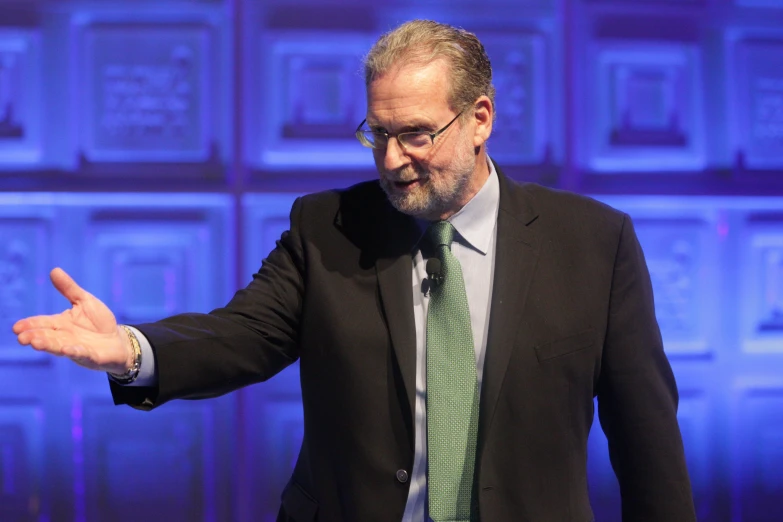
(133, 372)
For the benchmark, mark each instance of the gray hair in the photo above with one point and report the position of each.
(422, 41)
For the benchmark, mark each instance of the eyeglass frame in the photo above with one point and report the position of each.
(359, 132)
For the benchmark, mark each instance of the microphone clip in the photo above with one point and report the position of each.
(434, 272)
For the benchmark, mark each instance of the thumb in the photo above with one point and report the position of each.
(67, 286)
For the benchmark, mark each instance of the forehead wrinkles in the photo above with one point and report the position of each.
(396, 116)
(416, 94)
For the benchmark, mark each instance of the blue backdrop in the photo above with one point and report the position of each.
(147, 145)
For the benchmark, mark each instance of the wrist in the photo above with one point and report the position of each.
(133, 360)
(127, 349)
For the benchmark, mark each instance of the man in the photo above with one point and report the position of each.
(546, 292)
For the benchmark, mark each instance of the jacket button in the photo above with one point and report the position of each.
(402, 476)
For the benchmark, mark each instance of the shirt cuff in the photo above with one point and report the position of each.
(148, 375)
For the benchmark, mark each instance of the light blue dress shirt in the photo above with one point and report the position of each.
(474, 247)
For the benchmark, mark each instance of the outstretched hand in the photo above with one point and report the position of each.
(87, 333)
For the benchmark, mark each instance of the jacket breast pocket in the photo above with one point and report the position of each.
(566, 345)
(298, 505)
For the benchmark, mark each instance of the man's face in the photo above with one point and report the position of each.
(436, 182)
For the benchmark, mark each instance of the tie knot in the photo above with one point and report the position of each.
(441, 233)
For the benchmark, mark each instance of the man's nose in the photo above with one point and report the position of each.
(394, 156)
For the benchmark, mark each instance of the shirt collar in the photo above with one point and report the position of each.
(475, 222)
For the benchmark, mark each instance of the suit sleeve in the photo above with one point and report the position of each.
(249, 340)
(637, 398)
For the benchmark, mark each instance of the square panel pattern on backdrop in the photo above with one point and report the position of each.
(762, 285)
(757, 83)
(760, 3)
(148, 269)
(274, 420)
(758, 453)
(314, 100)
(171, 458)
(19, 97)
(693, 416)
(284, 427)
(146, 92)
(153, 254)
(679, 238)
(520, 133)
(266, 218)
(25, 244)
(678, 252)
(647, 107)
(21, 460)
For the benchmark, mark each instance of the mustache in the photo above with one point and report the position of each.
(406, 174)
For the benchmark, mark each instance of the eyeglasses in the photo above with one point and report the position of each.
(410, 141)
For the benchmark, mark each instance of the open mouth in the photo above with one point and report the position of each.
(404, 185)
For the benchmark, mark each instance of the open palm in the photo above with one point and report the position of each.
(87, 332)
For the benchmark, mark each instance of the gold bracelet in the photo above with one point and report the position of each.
(133, 372)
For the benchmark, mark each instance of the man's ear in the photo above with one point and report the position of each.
(483, 114)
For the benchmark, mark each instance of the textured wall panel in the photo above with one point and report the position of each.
(314, 98)
(680, 239)
(169, 459)
(20, 103)
(520, 134)
(762, 285)
(760, 3)
(266, 218)
(758, 454)
(148, 256)
(145, 92)
(647, 108)
(637, 2)
(25, 256)
(148, 268)
(149, 261)
(21, 460)
(694, 418)
(677, 252)
(283, 432)
(141, 253)
(756, 81)
(273, 409)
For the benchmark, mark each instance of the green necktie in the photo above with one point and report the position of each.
(452, 388)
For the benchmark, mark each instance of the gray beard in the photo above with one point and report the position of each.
(432, 202)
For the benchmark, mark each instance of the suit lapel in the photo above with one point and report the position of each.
(394, 266)
(386, 239)
(516, 257)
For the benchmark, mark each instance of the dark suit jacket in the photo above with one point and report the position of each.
(572, 317)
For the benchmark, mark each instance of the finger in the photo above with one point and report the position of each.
(67, 286)
(54, 322)
(45, 340)
(58, 346)
(41, 343)
(27, 337)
